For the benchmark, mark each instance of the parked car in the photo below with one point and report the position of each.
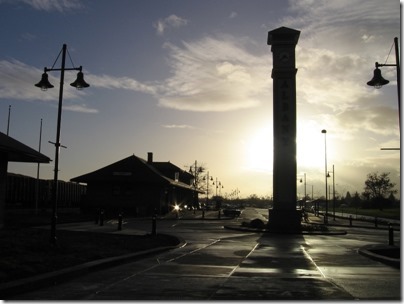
(231, 212)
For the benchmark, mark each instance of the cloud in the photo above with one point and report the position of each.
(233, 15)
(379, 120)
(28, 37)
(126, 83)
(174, 126)
(171, 21)
(214, 74)
(82, 108)
(18, 79)
(17, 82)
(49, 5)
(330, 79)
(350, 23)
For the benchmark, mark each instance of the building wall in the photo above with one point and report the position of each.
(133, 199)
(21, 193)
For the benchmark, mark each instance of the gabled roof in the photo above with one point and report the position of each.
(168, 169)
(132, 169)
(18, 152)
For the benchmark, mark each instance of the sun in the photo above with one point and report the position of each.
(309, 145)
(259, 150)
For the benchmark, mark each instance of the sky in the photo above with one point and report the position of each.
(190, 80)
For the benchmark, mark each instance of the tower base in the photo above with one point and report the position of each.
(284, 221)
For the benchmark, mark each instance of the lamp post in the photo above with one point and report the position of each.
(378, 81)
(305, 194)
(37, 172)
(44, 84)
(218, 186)
(333, 190)
(8, 120)
(326, 191)
(207, 186)
(195, 172)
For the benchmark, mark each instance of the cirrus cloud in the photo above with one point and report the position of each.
(172, 21)
(214, 74)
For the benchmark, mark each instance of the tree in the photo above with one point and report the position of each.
(356, 200)
(198, 181)
(348, 198)
(378, 187)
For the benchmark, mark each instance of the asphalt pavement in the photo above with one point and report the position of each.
(376, 252)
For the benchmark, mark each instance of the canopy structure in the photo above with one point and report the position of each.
(15, 151)
(12, 150)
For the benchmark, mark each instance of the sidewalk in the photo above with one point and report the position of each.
(376, 223)
(381, 253)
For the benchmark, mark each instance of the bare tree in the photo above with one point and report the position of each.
(378, 186)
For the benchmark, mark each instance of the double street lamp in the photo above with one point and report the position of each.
(44, 84)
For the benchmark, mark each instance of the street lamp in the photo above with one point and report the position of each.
(207, 187)
(378, 81)
(195, 172)
(326, 191)
(333, 189)
(305, 194)
(44, 84)
(218, 186)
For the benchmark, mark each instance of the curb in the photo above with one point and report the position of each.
(55, 277)
(370, 252)
(259, 230)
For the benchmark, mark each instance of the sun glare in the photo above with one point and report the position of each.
(259, 151)
(258, 148)
(310, 146)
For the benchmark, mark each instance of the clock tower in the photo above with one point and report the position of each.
(284, 216)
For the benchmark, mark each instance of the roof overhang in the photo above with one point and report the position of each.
(16, 151)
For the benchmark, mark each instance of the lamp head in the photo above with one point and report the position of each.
(324, 131)
(44, 84)
(79, 83)
(377, 81)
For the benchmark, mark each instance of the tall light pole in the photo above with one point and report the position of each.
(195, 172)
(326, 190)
(207, 186)
(333, 190)
(378, 81)
(37, 171)
(44, 84)
(8, 120)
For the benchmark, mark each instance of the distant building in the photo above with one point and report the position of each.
(137, 187)
(27, 193)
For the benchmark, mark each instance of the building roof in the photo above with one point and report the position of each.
(168, 169)
(18, 152)
(132, 169)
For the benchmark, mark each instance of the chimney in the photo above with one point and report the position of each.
(150, 157)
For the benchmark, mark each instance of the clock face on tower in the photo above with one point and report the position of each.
(284, 56)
